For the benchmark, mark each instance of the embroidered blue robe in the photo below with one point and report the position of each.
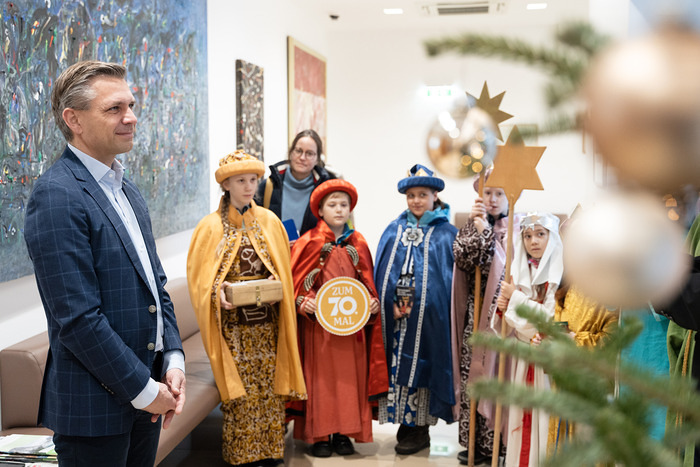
(426, 356)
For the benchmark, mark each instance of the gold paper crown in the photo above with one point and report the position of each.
(238, 162)
(419, 173)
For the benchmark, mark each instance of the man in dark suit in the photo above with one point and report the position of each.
(115, 362)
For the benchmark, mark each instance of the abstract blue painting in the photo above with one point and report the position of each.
(164, 48)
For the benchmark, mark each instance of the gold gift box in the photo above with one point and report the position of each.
(255, 292)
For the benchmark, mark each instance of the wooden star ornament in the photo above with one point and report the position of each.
(491, 105)
(514, 167)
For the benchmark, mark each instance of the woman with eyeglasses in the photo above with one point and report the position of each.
(287, 190)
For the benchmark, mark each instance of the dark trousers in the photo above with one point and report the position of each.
(136, 448)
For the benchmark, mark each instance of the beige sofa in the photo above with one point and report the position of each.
(22, 369)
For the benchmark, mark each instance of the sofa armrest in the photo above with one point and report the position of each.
(21, 374)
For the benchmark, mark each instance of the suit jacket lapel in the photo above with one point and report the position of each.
(91, 186)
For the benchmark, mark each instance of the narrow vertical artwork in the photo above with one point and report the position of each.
(306, 75)
(249, 108)
(163, 46)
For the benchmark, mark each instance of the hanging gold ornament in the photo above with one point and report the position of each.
(625, 251)
(462, 143)
(643, 101)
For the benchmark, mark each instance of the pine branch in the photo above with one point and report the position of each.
(683, 434)
(559, 91)
(622, 437)
(551, 61)
(576, 454)
(581, 453)
(578, 43)
(563, 405)
(582, 36)
(558, 123)
(678, 394)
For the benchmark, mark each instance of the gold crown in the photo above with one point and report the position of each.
(419, 173)
(237, 156)
(238, 162)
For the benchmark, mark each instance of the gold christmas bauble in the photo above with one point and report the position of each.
(462, 143)
(643, 99)
(625, 252)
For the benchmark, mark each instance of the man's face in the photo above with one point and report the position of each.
(107, 127)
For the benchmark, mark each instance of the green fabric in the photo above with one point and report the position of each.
(678, 338)
(693, 239)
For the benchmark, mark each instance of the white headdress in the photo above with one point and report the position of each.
(551, 265)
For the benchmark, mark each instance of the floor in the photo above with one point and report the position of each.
(202, 448)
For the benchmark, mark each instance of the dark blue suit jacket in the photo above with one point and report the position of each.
(96, 298)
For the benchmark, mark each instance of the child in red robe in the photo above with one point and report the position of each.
(342, 373)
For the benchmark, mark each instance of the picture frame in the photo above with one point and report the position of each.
(306, 77)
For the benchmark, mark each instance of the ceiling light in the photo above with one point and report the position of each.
(536, 6)
(393, 11)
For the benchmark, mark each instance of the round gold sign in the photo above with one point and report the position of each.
(342, 306)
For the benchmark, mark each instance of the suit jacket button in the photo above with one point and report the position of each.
(152, 309)
(151, 346)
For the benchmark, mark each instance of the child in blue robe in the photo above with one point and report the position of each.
(413, 275)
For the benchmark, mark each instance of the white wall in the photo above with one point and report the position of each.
(613, 17)
(379, 121)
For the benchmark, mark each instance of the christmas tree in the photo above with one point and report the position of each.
(584, 393)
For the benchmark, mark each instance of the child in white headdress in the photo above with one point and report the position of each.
(536, 273)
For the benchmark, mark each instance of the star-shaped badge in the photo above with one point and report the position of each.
(514, 167)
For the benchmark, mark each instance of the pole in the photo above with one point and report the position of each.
(501, 356)
(477, 313)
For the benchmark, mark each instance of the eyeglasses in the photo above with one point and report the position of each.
(300, 152)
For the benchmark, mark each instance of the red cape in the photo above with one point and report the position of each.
(306, 255)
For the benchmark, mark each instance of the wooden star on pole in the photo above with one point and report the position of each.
(514, 167)
(491, 105)
(513, 171)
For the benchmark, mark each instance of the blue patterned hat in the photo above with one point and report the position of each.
(420, 175)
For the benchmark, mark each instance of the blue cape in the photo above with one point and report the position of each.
(426, 360)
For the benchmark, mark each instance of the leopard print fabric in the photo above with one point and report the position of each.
(253, 425)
